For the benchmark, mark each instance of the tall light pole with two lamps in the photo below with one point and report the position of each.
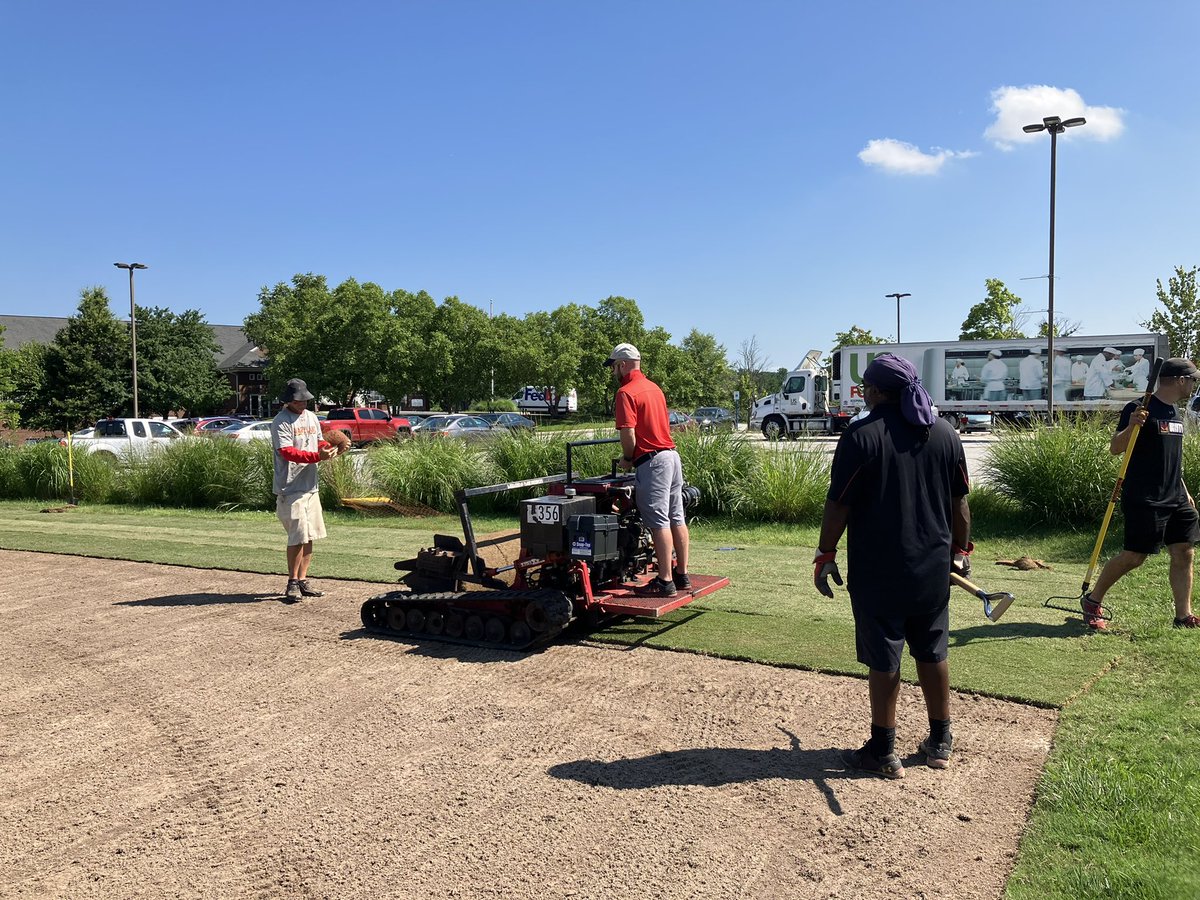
(898, 298)
(133, 327)
(1055, 126)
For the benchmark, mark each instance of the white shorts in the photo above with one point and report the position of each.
(301, 516)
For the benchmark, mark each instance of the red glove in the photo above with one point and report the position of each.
(824, 568)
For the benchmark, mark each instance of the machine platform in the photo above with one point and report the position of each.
(623, 601)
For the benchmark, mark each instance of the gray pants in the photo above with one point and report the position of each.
(1034, 394)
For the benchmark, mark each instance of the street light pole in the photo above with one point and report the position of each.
(898, 297)
(492, 403)
(1055, 126)
(133, 327)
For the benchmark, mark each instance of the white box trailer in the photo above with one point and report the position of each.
(533, 399)
(1001, 377)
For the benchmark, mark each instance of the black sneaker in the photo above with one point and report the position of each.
(864, 760)
(306, 591)
(682, 581)
(292, 594)
(656, 587)
(937, 756)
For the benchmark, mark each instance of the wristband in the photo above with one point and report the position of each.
(824, 556)
(959, 551)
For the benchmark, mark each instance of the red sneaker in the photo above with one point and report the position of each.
(1188, 621)
(1093, 613)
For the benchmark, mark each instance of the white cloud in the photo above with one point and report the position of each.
(905, 159)
(1016, 107)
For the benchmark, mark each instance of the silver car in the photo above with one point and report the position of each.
(471, 428)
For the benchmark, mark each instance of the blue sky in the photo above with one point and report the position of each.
(739, 167)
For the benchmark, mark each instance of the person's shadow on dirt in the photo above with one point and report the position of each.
(713, 767)
(200, 599)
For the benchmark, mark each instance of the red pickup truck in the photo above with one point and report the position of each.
(363, 425)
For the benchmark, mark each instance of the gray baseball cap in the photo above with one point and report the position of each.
(623, 351)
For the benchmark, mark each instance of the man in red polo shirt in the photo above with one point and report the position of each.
(641, 413)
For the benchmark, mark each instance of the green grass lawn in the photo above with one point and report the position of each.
(1116, 814)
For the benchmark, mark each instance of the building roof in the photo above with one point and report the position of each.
(235, 351)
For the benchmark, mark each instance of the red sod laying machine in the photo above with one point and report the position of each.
(584, 552)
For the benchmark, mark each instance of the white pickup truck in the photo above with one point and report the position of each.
(126, 438)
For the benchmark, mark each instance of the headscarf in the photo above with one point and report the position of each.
(897, 375)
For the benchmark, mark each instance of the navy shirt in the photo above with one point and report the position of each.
(1155, 473)
(899, 490)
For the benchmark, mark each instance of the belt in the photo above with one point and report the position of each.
(646, 457)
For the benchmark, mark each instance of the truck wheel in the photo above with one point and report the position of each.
(773, 429)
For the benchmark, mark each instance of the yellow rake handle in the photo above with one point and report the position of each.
(1112, 501)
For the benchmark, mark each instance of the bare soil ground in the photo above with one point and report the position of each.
(171, 732)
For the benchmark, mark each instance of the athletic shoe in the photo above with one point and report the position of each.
(1188, 621)
(682, 581)
(864, 760)
(937, 756)
(656, 587)
(306, 591)
(1092, 613)
(292, 595)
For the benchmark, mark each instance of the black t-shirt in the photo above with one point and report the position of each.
(899, 490)
(1155, 473)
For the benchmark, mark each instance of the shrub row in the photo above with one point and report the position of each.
(1061, 476)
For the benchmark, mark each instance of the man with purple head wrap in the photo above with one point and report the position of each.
(899, 486)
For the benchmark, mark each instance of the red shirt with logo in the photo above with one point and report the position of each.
(640, 405)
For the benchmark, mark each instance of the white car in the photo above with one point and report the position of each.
(248, 431)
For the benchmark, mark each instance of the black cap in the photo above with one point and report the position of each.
(296, 389)
(1175, 367)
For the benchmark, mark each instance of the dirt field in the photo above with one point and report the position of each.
(169, 732)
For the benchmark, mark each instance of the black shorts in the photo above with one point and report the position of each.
(1149, 528)
(880, 638)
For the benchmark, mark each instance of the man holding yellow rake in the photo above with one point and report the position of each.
(1156, 504)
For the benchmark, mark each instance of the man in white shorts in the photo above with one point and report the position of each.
(296, 439)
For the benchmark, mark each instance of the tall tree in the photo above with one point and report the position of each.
(88, 369)
(614, 320)
(856, 337)
(555, 344)
(458, 347)
(993, 317)
(28, 378)
(1179, 319)
(10, 410)
(285, 328)
(408, 366)
(709, 369)
(177, 366)
(754, 376)
(338, 341)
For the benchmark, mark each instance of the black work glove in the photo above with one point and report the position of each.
(962, 560)
(824, 568)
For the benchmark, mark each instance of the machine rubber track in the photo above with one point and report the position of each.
(502, 619)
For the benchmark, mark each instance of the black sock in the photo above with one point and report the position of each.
(883, 741)
(939, 731)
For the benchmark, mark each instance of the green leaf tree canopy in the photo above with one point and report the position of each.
(856, 337)
(992, 318)
(177, 367)
(1179, 319)
(87, 369)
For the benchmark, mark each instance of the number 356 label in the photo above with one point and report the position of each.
(545, 513)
